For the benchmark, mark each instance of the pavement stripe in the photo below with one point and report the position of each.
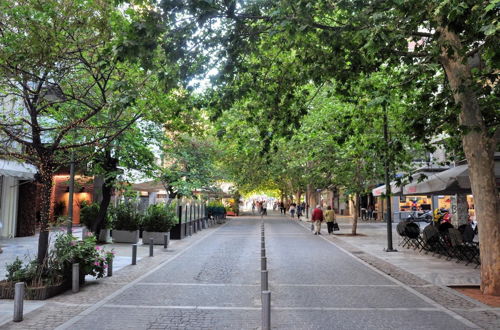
(183, 307)
(276, 308)
(408, 288)
(68, 324)
(198, 284)
(270, 282)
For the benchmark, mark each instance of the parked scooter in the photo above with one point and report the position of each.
(418, 216)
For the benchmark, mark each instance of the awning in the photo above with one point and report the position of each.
(149, 186)
(18, 170)
(396, 190)
(453, 181)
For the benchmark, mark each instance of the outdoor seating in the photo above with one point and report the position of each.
(447, 241)
(412, 231)
(400, 228)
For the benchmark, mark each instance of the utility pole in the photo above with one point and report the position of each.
(387, 184)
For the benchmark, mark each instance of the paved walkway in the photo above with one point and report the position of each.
(212, 281)
(436, 270)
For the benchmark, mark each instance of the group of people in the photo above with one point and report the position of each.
(261, 207)
(318, 216)
(294, 209)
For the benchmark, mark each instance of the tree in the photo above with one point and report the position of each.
(456, 39)
(69, 90)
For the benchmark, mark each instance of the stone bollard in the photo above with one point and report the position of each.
(109, 273)
(75, 278)
(18, 301)
(264, 280)
(266, 310)
(151, 246)
(134, 254)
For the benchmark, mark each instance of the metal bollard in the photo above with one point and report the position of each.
(165, 241)
(262, 245)
(262, 252)
(18, 302)
(75, 279)
(151, 246)
(263, 263)
(109, 273)
(266, 310)
(134, 254)
(264, 280)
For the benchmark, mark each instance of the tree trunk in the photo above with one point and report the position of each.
(479, 150)
(46, 171)
(355, 215)
(298, 194)
(110, 165)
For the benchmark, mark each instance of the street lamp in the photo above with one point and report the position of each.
(387, 184)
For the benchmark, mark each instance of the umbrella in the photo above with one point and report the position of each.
(453, 181)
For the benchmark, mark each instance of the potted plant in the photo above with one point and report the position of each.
(54, 275)
(125, 223)
(157, 222)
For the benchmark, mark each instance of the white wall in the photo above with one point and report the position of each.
(8, 206)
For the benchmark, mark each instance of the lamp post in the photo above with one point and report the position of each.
(387, 184)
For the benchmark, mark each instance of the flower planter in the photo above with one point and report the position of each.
(125, 236)
(32, 293)
(158, 237)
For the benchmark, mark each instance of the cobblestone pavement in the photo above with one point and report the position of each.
(212, 281)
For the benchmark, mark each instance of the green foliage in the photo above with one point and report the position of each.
(93, 259)
(17, 272)
(88, 213)
(159, 218)
(215, 208)
(66, 251)
(125, 217)
(188, 165)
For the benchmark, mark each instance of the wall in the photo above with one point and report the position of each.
(8, 206)
(60, 194)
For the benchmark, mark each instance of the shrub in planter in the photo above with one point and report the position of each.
(54, 276)
(88, 213)
(158, 221)
(92, 258)
(215, 209)
(125, 223)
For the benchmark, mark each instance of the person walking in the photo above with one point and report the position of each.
(299, 211)
(317, 218)
(330, 219)
(292, 210)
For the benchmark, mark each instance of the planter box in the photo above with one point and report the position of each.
(158, 237)
(178, 231)
(105, 235)
(125, 236)
(32, 293)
